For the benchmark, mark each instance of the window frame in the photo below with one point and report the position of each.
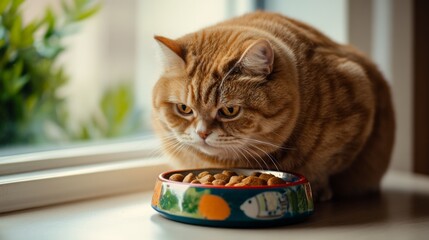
(78, 173)
(90, 153)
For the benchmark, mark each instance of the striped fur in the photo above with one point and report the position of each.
(322, 109)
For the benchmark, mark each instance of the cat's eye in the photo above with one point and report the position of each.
(183, 109)
(229, 112)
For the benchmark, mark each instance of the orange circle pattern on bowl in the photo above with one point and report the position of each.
(213, 207)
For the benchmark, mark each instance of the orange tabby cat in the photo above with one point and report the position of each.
(269, 92)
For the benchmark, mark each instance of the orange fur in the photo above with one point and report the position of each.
(307, 104)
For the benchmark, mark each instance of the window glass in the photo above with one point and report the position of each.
(78, 71)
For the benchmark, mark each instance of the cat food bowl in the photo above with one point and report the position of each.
(242, 204)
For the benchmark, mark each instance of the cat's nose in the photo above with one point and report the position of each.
(203, 134)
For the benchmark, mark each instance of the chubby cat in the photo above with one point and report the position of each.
(269, 92)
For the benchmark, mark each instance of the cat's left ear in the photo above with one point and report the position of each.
(258, 58)
(172, 53)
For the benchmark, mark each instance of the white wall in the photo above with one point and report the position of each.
(387, 39)
(329, 16)
(398, 66)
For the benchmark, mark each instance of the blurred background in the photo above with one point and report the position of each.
(109, 63)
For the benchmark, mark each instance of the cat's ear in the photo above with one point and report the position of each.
(258, 58)
(171, 54)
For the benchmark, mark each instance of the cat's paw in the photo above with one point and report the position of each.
(321, 190)
(323, 194)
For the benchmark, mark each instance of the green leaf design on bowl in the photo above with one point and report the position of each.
(191, 199)
(169, 201)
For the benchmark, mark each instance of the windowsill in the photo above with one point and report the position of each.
(401, 212)
(54, 177)
(35, 159)
(43, 188)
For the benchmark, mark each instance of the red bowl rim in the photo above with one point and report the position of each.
(301, 179)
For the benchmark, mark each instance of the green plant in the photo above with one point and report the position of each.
(29, 73)
(119, 115)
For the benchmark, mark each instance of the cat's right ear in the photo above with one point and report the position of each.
(258, 58)
(171, 54)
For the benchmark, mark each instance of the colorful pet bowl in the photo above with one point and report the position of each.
(221, 206)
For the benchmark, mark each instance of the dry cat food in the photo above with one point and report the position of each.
(228, 178)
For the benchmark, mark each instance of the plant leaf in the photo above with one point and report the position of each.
(15, 32)
(80, 3)
(2, 33)
(88, 13)
(15, 5)
(65, 6)
(3, 5)
(30, 104)
(50, 20)
(17, 69)
(27, 34)
(19, 83)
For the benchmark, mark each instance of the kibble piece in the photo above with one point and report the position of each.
(230, 184)
(229, 173)
(221, 176)
(176, 177)
(207, 183)
(254, 181)
(266, 176)
(236, 179)
(195, 181)
(189, 178)
(275, 181)
(219, 182)
(207, 178)
(240, 184)
(202, 174)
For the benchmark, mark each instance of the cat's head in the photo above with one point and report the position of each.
(230, 98)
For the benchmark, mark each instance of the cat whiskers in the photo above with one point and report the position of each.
(284, 147)
(239, 150)
(157, 152)
(275, 163)
(250, 147)
(249, 152)
(176, 147)
(237, 154)
(170, 142)
(266, 143)
(267, 154)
